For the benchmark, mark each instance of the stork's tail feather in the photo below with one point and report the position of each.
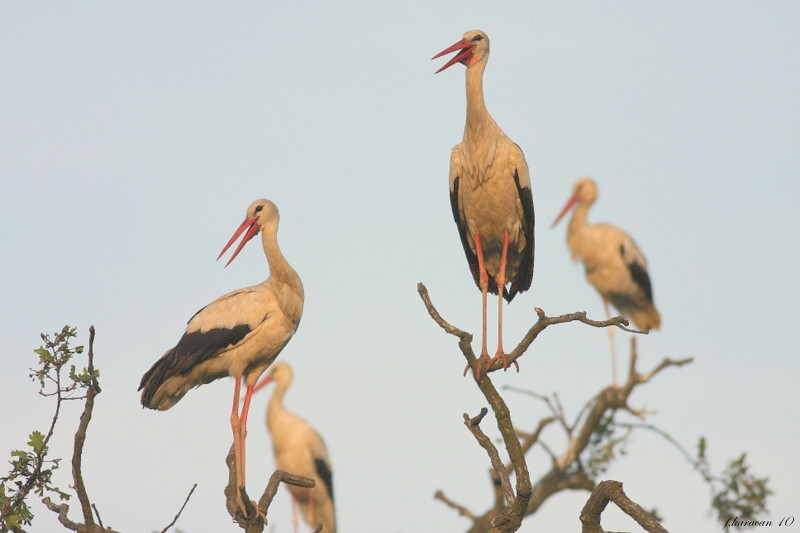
(647, 318)
(152, 382)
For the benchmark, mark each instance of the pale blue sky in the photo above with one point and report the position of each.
(133, 136)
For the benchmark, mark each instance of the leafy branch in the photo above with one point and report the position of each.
(32, 469)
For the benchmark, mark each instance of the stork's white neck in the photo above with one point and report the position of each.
(282, 273)
(580, 217)
(479, 124)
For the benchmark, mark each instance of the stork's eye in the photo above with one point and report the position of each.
(259, 209)
(477, 38)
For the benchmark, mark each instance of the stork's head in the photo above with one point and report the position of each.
(472, 49)
(278, 372)
(259, 214)
(584, 191)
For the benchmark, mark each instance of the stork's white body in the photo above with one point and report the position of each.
(299, 449)
(239, 334)
(614, 264)
(490, 194)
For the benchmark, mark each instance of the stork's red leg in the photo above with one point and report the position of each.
(483, 281)
(501, 287)
(243, 428)
(236, 425)
(613, 344)
(312, 512)
(484, 284)
(295, 520)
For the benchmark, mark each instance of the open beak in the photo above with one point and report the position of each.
(249, 228)
(465, 53)
(569, 205)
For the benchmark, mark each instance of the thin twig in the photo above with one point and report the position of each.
(463, 511)
(97, 514)
(449, 328)
(174, 520)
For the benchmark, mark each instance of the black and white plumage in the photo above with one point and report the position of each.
(299, 449)
(490, 195)
(613, 263)
(239, 334)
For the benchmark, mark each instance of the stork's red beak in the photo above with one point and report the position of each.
(569, 205)
(249, 226)
(266, 380)
(462, 57)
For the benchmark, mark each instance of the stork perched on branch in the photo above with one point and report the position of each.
(490, 194)
(614, 264)
(299, 449)
(239, 334)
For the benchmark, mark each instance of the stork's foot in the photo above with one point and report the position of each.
(248, 510)
(502, 357)
(483, 362)
(241, 505)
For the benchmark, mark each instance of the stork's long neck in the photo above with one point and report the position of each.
(576, 232)
(580, 217)
(281, 272)
(275, 408)
(479, 122)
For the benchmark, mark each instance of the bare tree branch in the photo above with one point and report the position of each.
(175, 520)
(463, 511)
(542, 323)
(509, 518)
(567, 471)
(611, 491)
(80, 436)
(255, 517)
(494, 457)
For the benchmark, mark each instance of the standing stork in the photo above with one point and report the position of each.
(239, 334)
(300, 450)
(490, 194)
(614, 264)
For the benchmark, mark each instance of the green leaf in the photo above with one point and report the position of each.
(37, 441)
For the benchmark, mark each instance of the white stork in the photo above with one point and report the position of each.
(239, 334)
(300, 450)
(614, 264)
(490, 194)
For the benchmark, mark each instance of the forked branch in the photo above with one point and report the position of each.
(611, 491)
(256, 513)
(566, 472)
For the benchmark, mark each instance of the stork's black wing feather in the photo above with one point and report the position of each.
(325, 474)
(524, 277)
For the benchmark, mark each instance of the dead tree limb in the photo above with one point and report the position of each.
(566, 472)
(80, 436)
(611, 491)
(178, 514)
(256, 513)
(508, 518)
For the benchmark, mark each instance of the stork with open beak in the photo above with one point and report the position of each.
(490, 195)
(239, 334)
